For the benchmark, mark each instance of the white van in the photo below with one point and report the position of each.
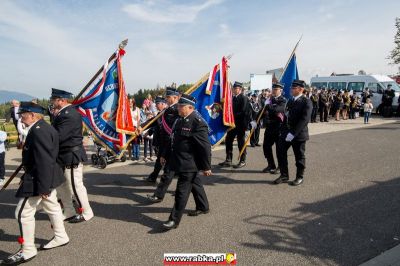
(376, 84)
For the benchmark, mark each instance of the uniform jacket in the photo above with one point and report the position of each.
(241, 111)
(191, 148)
(168, 118)
(68, 123)
(298, 114)
(271, 117)
(42, 172)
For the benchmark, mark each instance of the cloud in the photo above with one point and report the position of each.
(164, 13)
(34, 31)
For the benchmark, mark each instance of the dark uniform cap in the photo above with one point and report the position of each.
(160, 99)
(299, 83)
(238, 84)
(169, 91)
(277, 85)
(56, 93)
(254, 95)
(187, 100)
(31, 107)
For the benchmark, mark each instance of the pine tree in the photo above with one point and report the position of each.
(394, 55)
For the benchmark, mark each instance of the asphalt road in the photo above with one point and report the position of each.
(346, 212)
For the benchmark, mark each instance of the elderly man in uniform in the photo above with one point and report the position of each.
(38, 185)
(242, 115)
(167, 121)
(191, 153)
(155, 130)
(294, 133)
(68, 123)
(272, 118)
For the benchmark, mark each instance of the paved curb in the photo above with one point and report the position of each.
(390, 257)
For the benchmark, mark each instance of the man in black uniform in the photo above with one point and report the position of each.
(68, 122)
(167, 121)
(315, 101)
(272, 119)
(256, 109)
(323, 103)
(242, 117)
(42, 175)
(155, 130)
(191, 152)
(294, 132)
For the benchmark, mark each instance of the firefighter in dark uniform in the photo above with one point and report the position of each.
(272, 119)
(315, 101)
(323, 104)
(155, 130)
(242, 116)
(68, 122)
(167, 120)
(256, 109)
(191, 153)
(294, 132)
(38, 184)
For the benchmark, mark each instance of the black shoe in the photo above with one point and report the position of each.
(154, 199)
(281, 179)
(225, 164)
(297, 182)
(267, 169)
(274, 171)
(149, 179)
(252, 145)
(77, 219)
(15, 259)
(240, 165)
(257, 144)
(197, 212)
(69, 218)
(170, 225)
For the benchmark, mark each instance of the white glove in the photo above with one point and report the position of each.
(289, 137)
(268, 101)
(253, 124)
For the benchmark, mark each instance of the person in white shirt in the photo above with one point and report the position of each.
(367, 110)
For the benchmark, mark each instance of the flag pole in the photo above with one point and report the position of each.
(262, 111)
(112, 57)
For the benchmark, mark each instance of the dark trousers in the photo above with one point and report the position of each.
(157, 169)
(314, 114)
(299, 148)
(165, 181)
(230, 137)
(2, 166)
(188, 182)
(323, 113)
(352, 113)
(148, 147)
(271, 137)
(255, 138)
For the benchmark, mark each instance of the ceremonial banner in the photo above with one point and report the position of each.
(214, 102)
(289, 75)
(104, 107)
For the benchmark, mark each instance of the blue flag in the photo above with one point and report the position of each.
(214, 103)
(289, 75)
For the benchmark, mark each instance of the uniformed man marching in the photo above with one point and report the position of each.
(167, 120)
(242, 117)
(68, 123)
(191, 153)
(256, 109)
(294, 133)
(272, 119)
(38, 185)
(155, 130)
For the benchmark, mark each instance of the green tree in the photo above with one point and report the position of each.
(394, 55)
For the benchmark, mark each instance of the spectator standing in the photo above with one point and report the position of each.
(367, 110)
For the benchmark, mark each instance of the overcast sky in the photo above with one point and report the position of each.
(61, 44)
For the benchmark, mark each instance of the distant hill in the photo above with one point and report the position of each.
(6, 96)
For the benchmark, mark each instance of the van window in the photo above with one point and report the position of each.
(337, 85)
(395, 86)
(375, 87)
(356, 86)
(319, 85)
